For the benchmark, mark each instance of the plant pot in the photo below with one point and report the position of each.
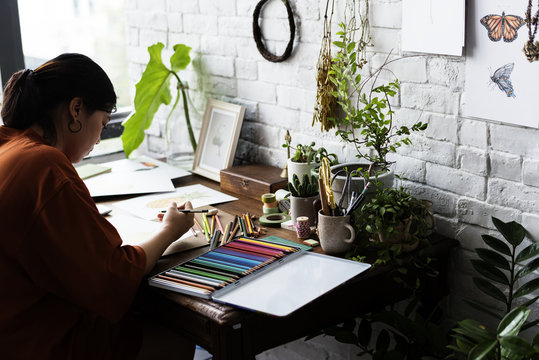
(400, 236)
(299, 169)
(357, 182)
(303, 206)
(335, 233)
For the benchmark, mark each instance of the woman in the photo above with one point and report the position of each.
(66, 281)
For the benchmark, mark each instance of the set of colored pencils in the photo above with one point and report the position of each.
(222, 266)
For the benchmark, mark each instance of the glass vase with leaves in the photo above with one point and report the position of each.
(153, 90)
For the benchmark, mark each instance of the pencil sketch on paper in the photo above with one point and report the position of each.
(501, 78)
(502, 26)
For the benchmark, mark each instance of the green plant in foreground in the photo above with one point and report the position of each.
(306, 188)
(497, 266)
(152, 91)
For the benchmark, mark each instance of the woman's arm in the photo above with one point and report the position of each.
(175, 224)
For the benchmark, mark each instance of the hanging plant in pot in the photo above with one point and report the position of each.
(367, 120)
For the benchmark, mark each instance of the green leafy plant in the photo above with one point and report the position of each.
(309, 153)
(306, 188)
(367, 122)
(152, 91)
(497, 265)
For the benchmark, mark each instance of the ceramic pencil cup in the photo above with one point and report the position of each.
(335, 233)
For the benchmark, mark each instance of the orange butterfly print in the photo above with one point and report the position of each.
(505, 26)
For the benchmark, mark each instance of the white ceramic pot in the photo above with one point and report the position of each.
(303, 206)
(299, 169)
(357, 183)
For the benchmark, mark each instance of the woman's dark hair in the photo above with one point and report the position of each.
(31, 96)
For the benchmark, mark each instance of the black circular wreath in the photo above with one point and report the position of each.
(258, 34)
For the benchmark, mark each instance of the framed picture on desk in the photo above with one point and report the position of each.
(219, 135)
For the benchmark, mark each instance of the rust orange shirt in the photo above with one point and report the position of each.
(65, 279)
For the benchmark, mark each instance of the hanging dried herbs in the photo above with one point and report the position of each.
(531, 48)
(325, 104)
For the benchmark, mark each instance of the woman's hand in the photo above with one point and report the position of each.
(177, 222)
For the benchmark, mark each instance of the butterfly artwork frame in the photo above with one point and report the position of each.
(499, 81)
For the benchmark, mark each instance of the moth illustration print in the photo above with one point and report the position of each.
(502, 26)
(501, 78)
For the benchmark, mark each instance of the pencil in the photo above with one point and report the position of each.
(191, 211)
(212, 228)
(198, 224)
(225, 234)
(218, 222)
(233, 233)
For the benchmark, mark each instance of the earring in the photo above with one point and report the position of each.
(79, 126)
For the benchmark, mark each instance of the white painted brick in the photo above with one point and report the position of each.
(530, 173)
(251, 107)
(387, 14)
(200, 24)
(245, 7)
(311, 32)
(439, 152)
(151, 5)
(175, 22)
(513, 195)
(473, 133)
(217, 65)
(308, 10)
(385, 40)
(410, 168)
(447, 72)
(275, 29)
(236, 26)
(247, 50)
(257, 91)
(531, 224)
(472, 160)
(218, 85)
(246, 69)
(221, 7)
(132, 36)
(150, 37)
(470, 238)
(191, 40)
(456, 181)
(218, 45)
(138, 55)
(278, 73)
(444, 203)
(480, 213)
(305, 54)
(505, 166)
(446, 226)
(182, 6)
(520, 141)
(278, 116)
(307, 78)
(406, 69)
(147, 20)
(289, 97)
(270, 156)
(441, 127)
(429, 98)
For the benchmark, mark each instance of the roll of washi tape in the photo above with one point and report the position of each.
(303, 228)
(274, 210)
(271, 205)
(269, 198)
(273, 220)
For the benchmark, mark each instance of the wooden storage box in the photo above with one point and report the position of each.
(252, 180)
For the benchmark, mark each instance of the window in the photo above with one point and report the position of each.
(95, 28)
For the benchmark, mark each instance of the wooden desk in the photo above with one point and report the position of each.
(232, 333)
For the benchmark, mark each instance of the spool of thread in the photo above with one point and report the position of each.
(303, 228)
(269, 198)
(270, 204)
(274, 210)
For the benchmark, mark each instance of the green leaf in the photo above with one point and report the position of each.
(493, 258)
(180, 59)
(489, 271)
(152, 91)
(512, 231)
(479, 351)
(529, 324)
(528, 269)
(512, 322)
(474, 330)
(527, 288)
(489, 289)
(496, 244)
(517, 346)
(535, 340)
(339, 44)
(350, 47)
(528, 252)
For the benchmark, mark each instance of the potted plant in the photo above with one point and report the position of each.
(500, 272)
(306, 159)
(302, 197)
(367, 120)
(394, 216)
(152, 91)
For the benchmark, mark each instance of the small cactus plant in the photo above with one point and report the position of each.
(308, 186)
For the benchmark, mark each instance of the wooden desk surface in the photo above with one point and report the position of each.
(232, 333)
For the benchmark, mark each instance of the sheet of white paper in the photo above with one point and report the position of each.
(490, 92)
(145, 164)
(148, 206)
(124, 183)
(433, 26)
(293, 284)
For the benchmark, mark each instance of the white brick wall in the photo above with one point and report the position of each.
(470, 168)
